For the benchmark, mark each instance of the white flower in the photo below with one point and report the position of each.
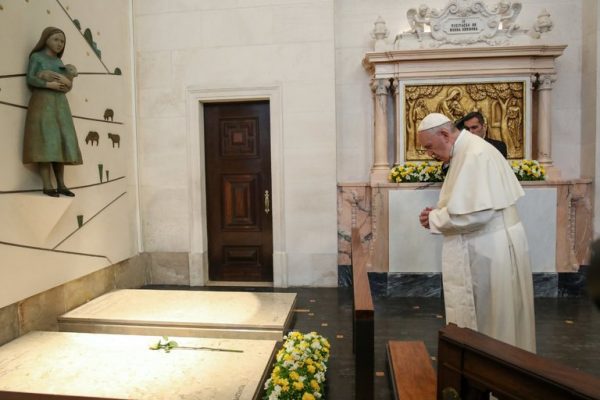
(320, 377)
(289, 346)
(275, 393)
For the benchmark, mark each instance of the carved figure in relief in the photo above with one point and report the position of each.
(514, 119)
(491, 99)
(450, 106)
(542, 24)
(508, 13)
(417, 19)
(50, 139)
(116, 139)
(92, 137)
(109, 114)
(419, 112)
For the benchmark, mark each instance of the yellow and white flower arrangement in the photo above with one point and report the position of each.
(299, 370)
(417, 172)
(528, 170)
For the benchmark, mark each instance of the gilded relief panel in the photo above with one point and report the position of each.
(501, 103)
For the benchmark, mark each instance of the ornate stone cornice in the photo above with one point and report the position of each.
(454, 62)
(465, 53)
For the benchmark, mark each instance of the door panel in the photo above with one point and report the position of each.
(238, 179)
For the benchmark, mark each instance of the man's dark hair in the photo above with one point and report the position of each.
(460, 124)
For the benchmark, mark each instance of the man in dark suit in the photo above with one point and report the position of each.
(474, 123)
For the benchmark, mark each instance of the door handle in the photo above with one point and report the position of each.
(267, 203)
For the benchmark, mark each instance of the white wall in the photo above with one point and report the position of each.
(42, 246)
(589, 88)
(226, 45)
(353, 23)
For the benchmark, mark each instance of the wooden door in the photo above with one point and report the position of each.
(238, 191)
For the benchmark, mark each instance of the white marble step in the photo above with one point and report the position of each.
(242, 315)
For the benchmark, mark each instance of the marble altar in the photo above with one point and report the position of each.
(562, 235)
(414, 249)
(123, 367)
(221, 314)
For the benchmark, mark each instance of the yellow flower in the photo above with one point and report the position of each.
(311, 369)
(309, 361)
(294, 375)
(298, 385)
(314, 384)
(296, 335)
(308, 396)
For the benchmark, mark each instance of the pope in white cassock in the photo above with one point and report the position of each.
(486, 270)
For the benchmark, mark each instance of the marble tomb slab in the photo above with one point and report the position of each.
(235, 315)
(49, 364)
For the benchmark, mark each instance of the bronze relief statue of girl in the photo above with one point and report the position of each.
(50, 138)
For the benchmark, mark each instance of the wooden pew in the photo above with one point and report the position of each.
(363, 322)
(471, 364)
(411, 372)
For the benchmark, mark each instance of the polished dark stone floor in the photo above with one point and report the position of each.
(568, 330)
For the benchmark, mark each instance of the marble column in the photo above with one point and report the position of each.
(380, 168)
(397, 135)
(544, 127)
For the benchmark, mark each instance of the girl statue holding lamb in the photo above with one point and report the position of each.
(50, 139)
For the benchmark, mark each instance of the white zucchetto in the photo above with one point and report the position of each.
(432, 120)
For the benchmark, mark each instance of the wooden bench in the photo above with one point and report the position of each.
(472, 365)
(363, 322)
(411, 372)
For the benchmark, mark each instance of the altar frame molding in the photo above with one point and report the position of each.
(365, 205)
(391, 69)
